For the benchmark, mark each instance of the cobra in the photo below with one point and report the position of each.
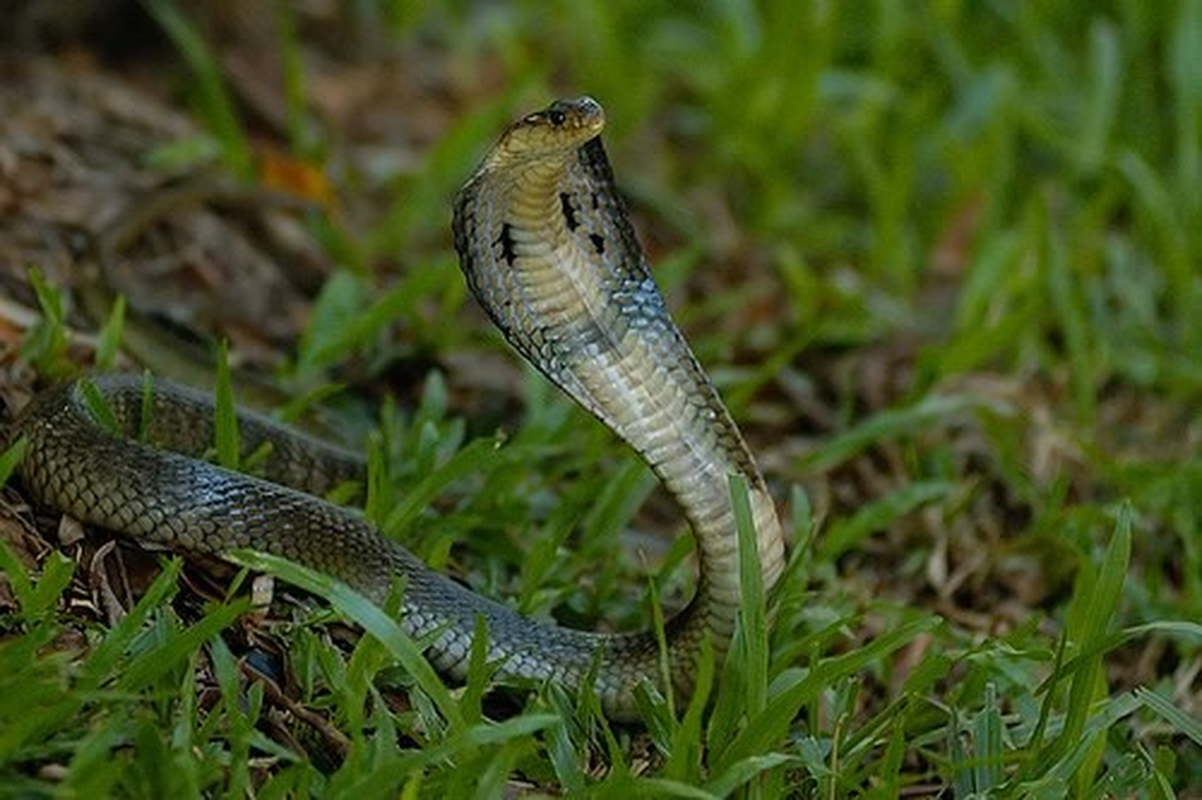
(549, 252)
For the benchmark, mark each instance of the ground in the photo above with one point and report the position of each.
(939, 261)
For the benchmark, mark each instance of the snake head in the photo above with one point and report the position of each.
(554, 132)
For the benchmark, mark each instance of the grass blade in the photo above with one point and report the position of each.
(215, 101)
(1171, 712)
(798, 689)
(366, 614)
(225, 412)
(1101, 601)
(110, 336)
(753, 623)
(11, 458)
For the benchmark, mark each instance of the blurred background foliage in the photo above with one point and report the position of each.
(943, 259)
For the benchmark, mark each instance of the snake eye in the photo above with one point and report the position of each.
(557, 117)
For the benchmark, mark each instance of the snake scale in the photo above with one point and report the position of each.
(548, 250)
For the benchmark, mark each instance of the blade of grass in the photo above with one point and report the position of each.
(1171, 713)
(300, 130)
(38, 600)
(225, 413)
(369, 616)
(742, 772)
(11, 458)
(341, 326)
(659, 626)
(1100, 606)
(565, 757)
(110, 335)
(98, 407)
(476, 456)
(215, 102)
(962, 774)
(479, 672)
(792, 690)
(885, 425)
(987, 743)
(687, 746)
(846, 534)
(1065, 294)
(44, 600)
(146, 411)
(107, 655)
(1102, 101)
(148, 666)
(753, 614)
(45, 344)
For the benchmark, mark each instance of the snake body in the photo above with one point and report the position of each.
(549, 252)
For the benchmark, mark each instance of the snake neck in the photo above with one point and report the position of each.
(549, 252)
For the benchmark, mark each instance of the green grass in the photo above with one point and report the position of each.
(995, 579)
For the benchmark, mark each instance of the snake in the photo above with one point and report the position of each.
(549, 251)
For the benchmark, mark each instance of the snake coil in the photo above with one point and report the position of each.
(548, 250)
